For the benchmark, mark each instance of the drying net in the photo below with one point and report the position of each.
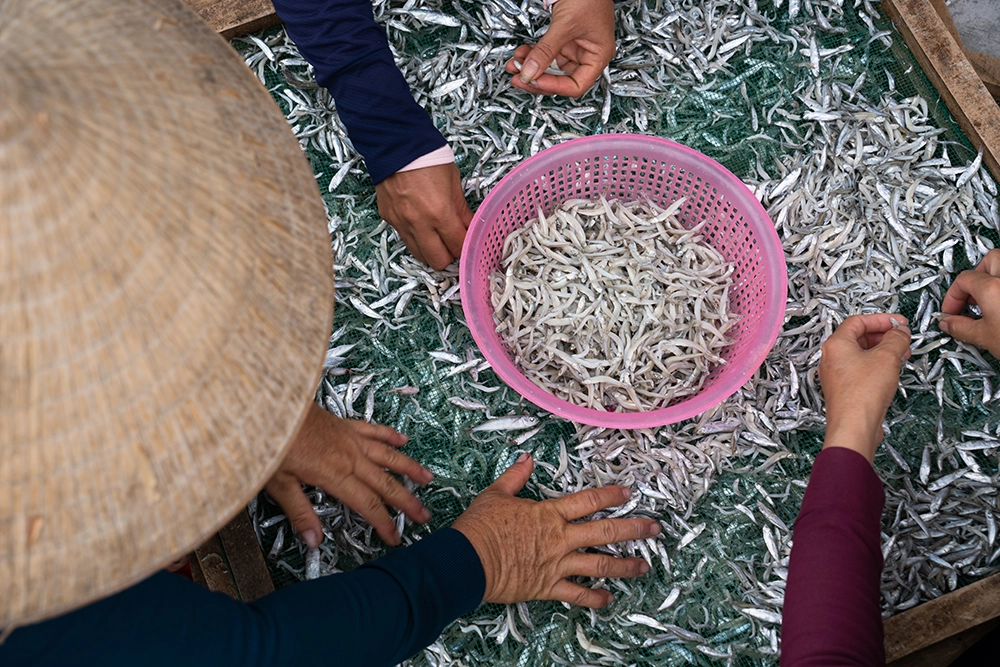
(879, 201)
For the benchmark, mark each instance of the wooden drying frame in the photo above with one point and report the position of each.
(231, 562)
(945, 63)
(934, 633)
(929, 635)
(987, 67)
(966, 80)
(235, 18)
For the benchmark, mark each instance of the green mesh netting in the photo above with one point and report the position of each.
(726, 486)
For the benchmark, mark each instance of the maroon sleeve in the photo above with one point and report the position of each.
(831, 615)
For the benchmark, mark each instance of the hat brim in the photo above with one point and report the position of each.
(166, 294)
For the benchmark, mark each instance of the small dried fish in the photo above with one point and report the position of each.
(508, 424)
(613, 306)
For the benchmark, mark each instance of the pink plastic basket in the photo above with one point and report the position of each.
(630, 167)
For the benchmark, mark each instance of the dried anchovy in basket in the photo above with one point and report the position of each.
(613, 306)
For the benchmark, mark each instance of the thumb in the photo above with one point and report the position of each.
(288, 492)
(543, 53)
(966, 330)
(896, 341)
(514, 478)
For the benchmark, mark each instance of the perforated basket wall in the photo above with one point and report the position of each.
(629, 168)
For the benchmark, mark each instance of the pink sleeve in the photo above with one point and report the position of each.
(443, 155)
(832, 614)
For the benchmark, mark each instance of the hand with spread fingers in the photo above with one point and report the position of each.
(975, 288)
(428, 209)
(348, 459)
(581, 41)
(859, 373)
(529, 548)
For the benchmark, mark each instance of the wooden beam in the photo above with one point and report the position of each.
(988, 69)
(946, 652)
(211, 561)
(942, 618)
(246, 561)
(235, 18)
(945, 64)
(941, 8)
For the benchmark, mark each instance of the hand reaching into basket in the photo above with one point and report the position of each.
(528, 548)
(580, 38)
(859, 372)
(428, 209)
(975, 288)
(348, 459)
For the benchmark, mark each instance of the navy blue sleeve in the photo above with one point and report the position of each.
(351, 58)
(379, 614)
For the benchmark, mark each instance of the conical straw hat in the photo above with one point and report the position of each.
(165, 293)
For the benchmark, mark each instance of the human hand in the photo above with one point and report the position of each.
(528, 548)
(347, 459)
(978, 288)
(859, 373)
(580, 38)
(428, 209)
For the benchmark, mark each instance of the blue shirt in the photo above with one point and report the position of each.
(350, 55)
(379, 614)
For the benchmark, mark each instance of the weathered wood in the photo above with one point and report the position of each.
(210, 558)
(945, 652)
(197, 576)
(234, 18)
(945, 64)
(988, 69)
(246, 561)
(942, 618)
(941, 8)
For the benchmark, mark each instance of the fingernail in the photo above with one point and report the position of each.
(654, 530)
(905, 329)
(627, 493)
(428, 475)
(529, 71)
(894, 322)
(425, 515)
(312, 538)
(522, 458)
(943, 325)
(644, 567)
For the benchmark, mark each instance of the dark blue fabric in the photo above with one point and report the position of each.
(350, 55)
(379, 614)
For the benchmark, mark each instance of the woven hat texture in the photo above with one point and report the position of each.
(166, 293)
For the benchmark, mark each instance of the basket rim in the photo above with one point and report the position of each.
(774, 270)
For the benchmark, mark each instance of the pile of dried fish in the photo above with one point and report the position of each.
(874, 221)
(769, 89)
(613, 306)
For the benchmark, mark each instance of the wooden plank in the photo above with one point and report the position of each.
(942, 11)
(940, 619)
(988, 69)
(246, 561)
(211, 560)
(197, 576)
(945, 652)
(952, 74)
(235, 18)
